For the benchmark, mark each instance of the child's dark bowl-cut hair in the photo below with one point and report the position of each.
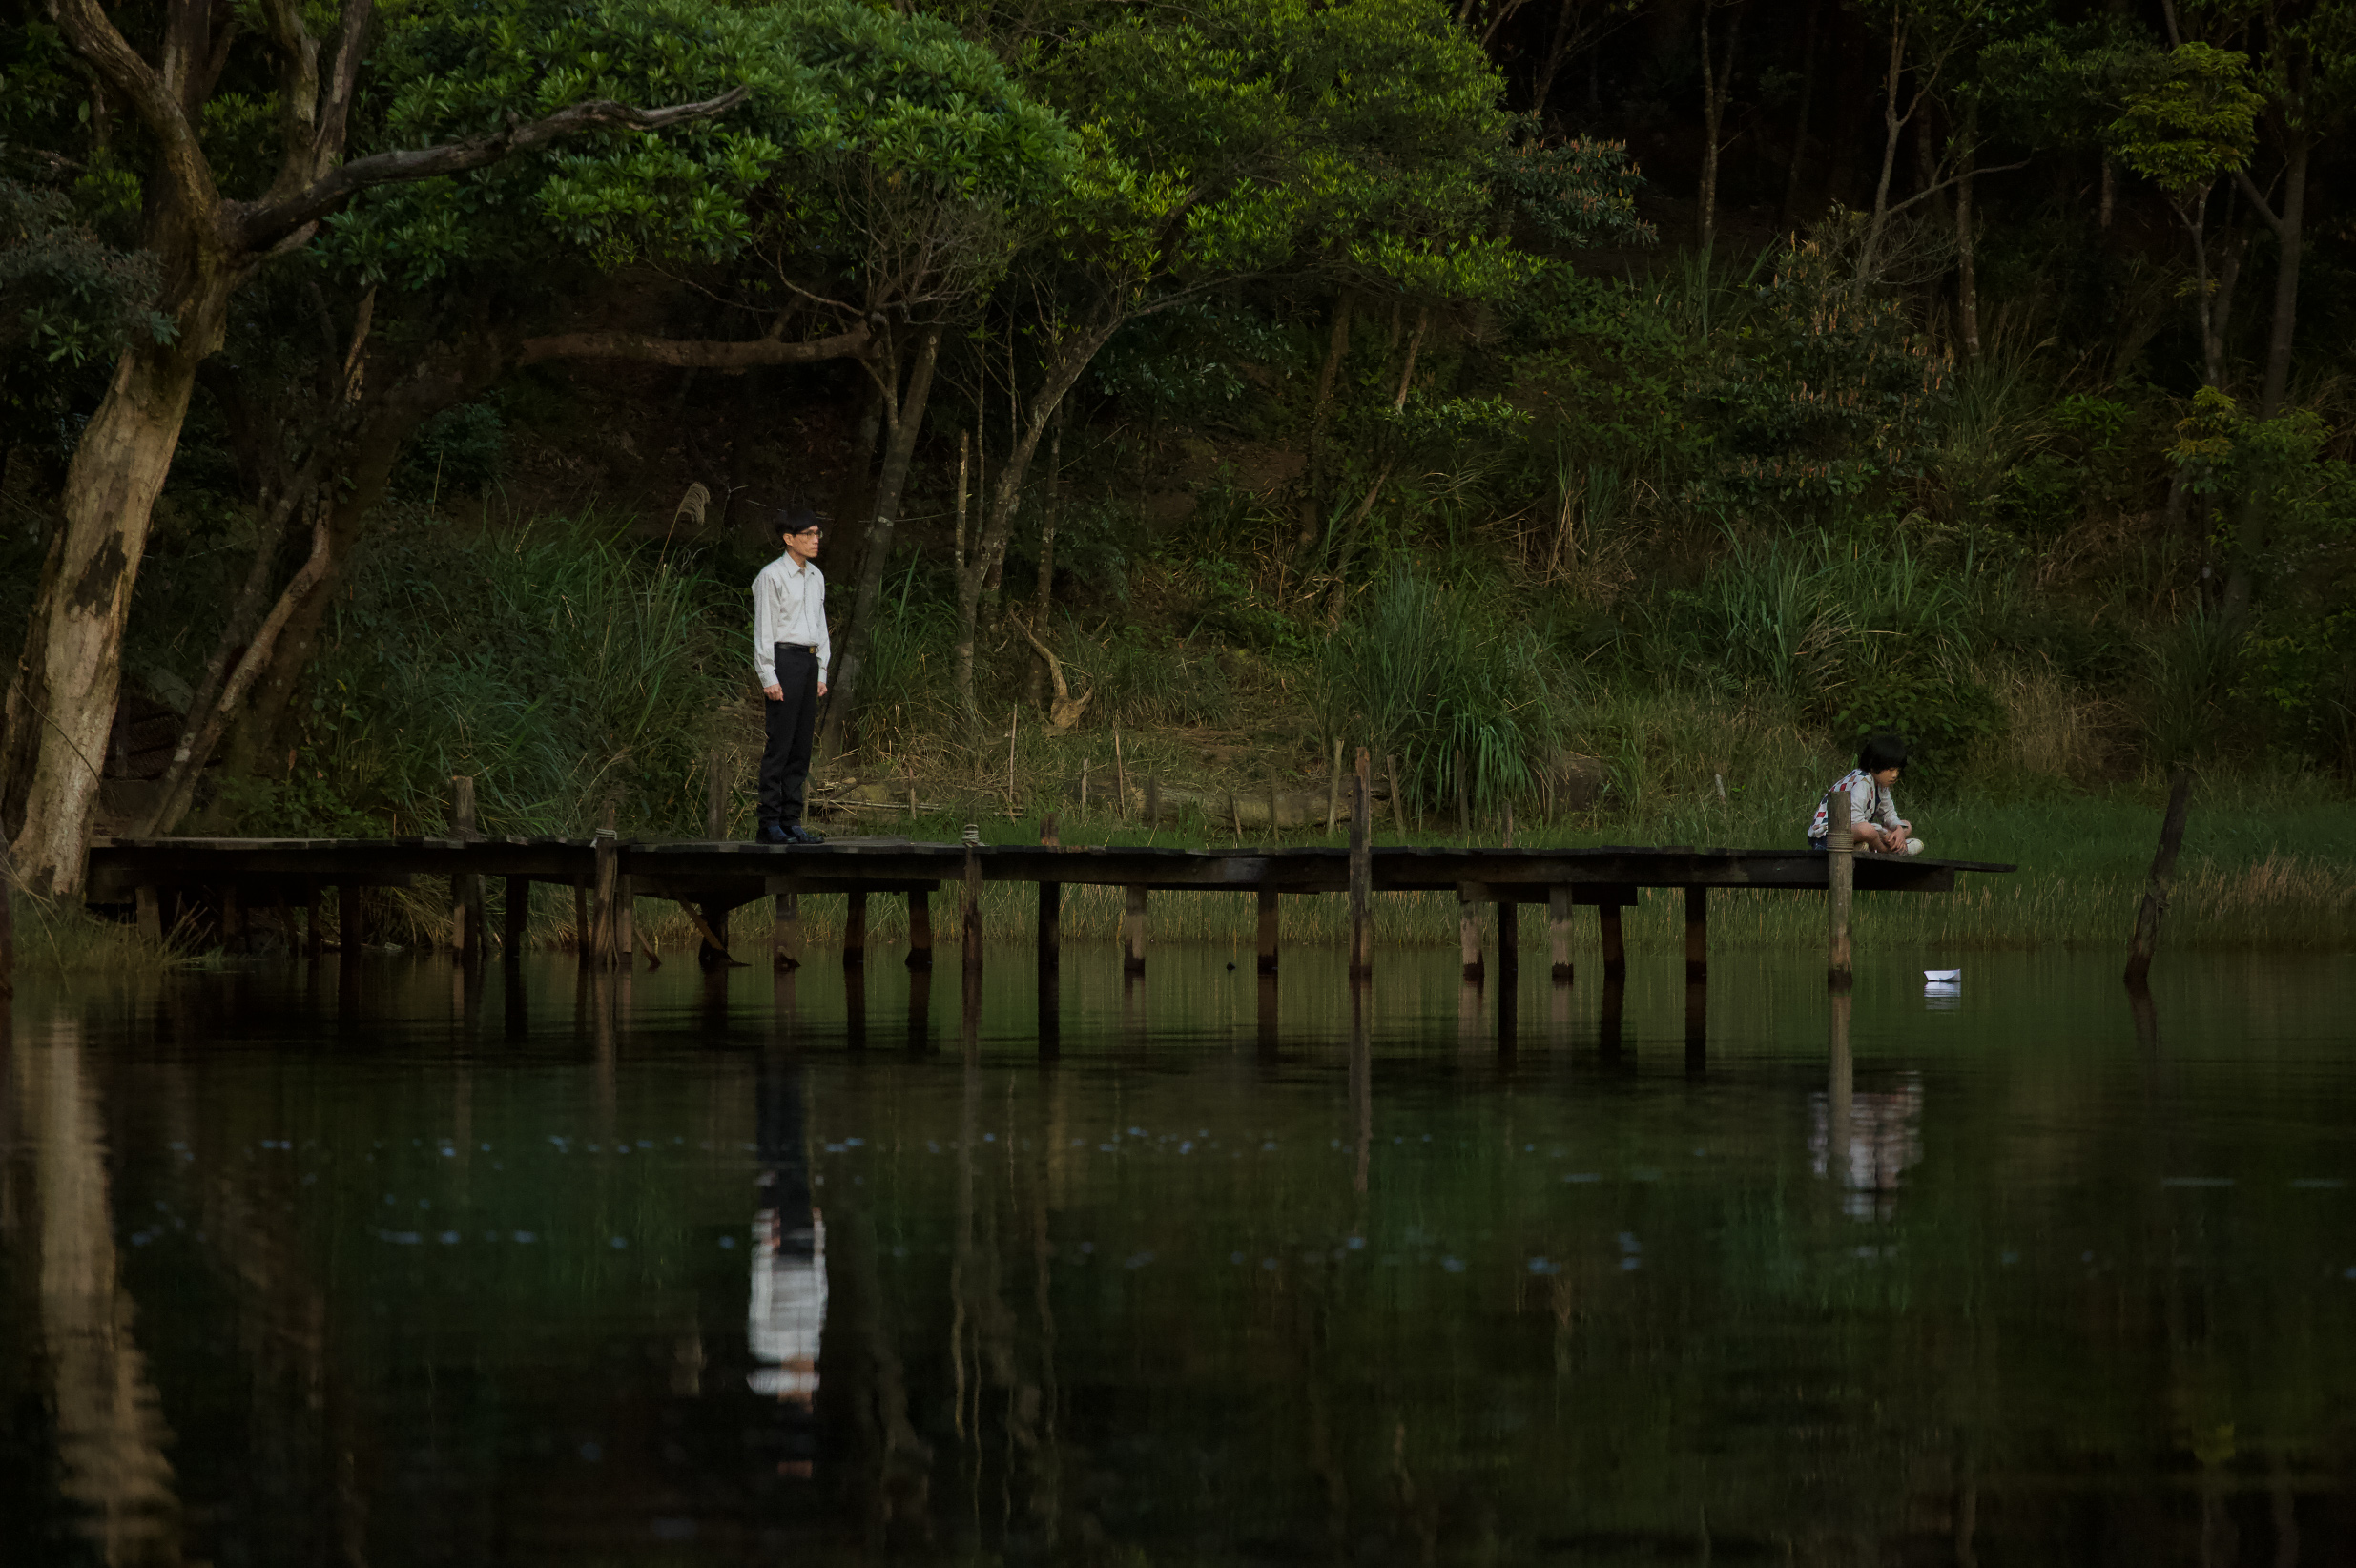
(1882, 751)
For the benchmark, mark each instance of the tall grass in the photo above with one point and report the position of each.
(558, 663)
(1432, 682)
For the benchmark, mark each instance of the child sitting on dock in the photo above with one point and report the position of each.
(1872, 815)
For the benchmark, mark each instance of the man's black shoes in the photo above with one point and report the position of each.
(772, 832)
(796, 833)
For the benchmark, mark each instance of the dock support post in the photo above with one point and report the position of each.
(313, 939)
(1558, 931)
(970, 914)
(2155, 905)
(1615, 945)
(785, 922)
(1508, 942)
(625, 919)
(854, 929)
(1268, 930)
(919, 930)
(1361, 874)
(1696, 935)
(518, 921)
(1050, 930)
(466, 886)
(1840, 884)
(233, 920)
(151, 912)
(1468, 931)
(606, 850)
(351, 919)
(1133, 931)
(581, 935)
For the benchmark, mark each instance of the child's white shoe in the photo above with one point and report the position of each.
(1913, 846)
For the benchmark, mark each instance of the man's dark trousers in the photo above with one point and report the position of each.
(785, 759)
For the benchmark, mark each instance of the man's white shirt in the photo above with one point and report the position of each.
(788, 606)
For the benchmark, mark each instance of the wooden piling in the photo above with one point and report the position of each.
(971, 913)
(607, 846)
(1558, 931)
(465, 887)
(233, 920)
(2154, 906)
(1468, 931)
(1615, 945)
(1696, 935)
(351, 919)
(313, 938)
(1050, 914)
(584, 935)
(518, 924)
(784, 922)
(854, 929)
(149, 905)
(1133, 930)
(1361, 873)
(1268, 930)
(1840, 887)
(919, 930)
(1508, 946)
(626, 920)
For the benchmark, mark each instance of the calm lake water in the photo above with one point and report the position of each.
(298, 1268)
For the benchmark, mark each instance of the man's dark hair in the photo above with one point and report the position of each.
(794, 519)
(1882, 751)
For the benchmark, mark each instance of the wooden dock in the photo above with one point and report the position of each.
(234, 878)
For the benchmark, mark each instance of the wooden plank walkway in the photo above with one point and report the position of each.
(710, 879)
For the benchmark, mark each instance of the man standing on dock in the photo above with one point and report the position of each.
(790, 653)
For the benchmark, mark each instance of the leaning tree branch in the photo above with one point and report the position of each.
(253, 225)
(96, 39)
(699, 353)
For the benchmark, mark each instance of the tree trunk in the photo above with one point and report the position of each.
(903, 416)
(1893, 124)
(1312, 471)
(1043, 604)
(2289, 231)
(1799, 123)
(1967, 265)
(65, 684)
(1558, 48)
(1717, 85)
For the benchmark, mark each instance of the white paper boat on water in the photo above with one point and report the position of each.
(1943, 976)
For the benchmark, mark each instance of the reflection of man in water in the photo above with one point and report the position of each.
(787, 1310)
(1884, 1136)
(788, 1307)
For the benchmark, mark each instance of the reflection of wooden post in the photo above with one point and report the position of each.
(1840, 1096)
(1133, 931)
(2155, 905)
(919, 929)
(854, 929)
(1468, 931)
(1840, 883)
(1361, 873)
(1615, 944)
(1268, 930)
(1696, 935)
(1558, 931)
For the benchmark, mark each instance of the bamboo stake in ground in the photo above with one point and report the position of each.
(1361, 873)
(2154, 906)
(1840, 883)
(1398, 797)
(716, 796)
(1120, 777)
(1014, 726)
(1464, 801)
(1333, 790)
